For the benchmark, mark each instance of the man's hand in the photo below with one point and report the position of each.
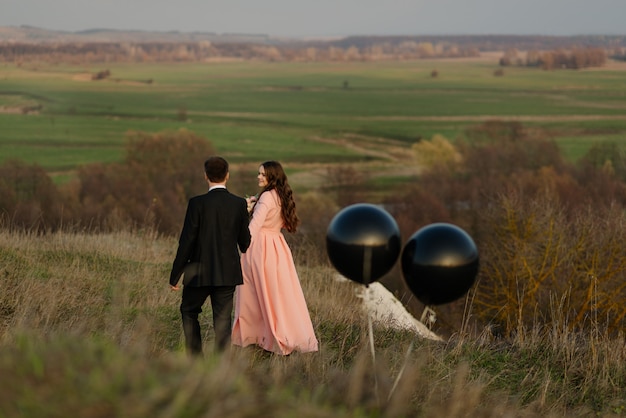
(174, 288)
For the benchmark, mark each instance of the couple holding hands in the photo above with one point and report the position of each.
(232, 249)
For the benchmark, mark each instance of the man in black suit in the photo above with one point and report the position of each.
(216, 226)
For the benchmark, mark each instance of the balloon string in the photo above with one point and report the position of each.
(367, 265)
(406, 360)
(371, 338)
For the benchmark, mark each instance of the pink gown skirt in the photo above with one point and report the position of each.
(270, 309)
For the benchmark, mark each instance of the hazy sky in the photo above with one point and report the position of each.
(325, 17)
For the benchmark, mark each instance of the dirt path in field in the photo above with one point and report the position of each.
(459, 118)
(484, 118)
(20, 110)
(380, 148)
(389, 158)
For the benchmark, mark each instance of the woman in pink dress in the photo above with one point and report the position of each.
(270, 309)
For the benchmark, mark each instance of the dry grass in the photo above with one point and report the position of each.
(89, 328)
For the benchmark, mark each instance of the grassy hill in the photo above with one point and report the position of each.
(31, 34)
(88, 327)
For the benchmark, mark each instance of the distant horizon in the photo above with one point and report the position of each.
(325, 18)
(112, 29)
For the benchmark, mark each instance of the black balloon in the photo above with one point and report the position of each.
(439, 263)
(363, 242)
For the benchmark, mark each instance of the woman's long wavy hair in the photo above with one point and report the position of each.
(277, 180)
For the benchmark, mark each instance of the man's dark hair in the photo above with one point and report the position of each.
(216, 169)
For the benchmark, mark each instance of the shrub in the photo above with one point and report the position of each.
(28, 197)
(609, 156)
(543, 267)
(150, 188)
(348, 184)
(548, 232)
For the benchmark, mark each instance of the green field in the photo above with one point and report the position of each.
(296, 112)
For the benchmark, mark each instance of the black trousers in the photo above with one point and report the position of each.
(222, 307)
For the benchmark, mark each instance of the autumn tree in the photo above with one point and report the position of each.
(151, 186)
(608, 156)
(436, 151)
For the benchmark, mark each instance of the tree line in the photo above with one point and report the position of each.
(575, 58)
(148, 189)
(102, 52)
(30, 44)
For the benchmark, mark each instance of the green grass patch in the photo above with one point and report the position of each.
(252, 109)
(101, 336)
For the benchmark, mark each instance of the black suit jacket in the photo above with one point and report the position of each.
(216, 227)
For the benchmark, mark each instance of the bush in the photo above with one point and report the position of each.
(548, 232)
(543, 267)
(151, 187)
(28, 197)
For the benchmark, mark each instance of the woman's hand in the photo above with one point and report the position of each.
(251, 201)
